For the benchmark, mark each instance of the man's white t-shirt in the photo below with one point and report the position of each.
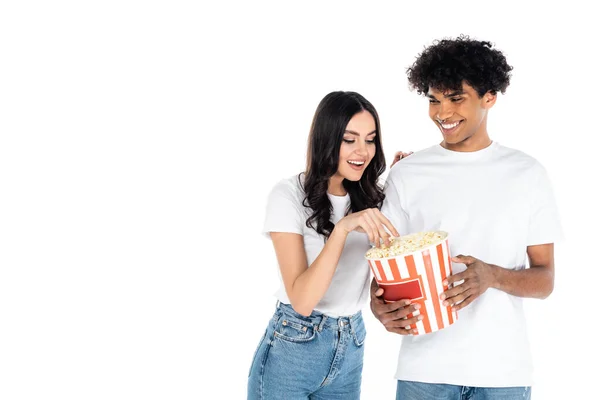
(349, 288)
(493, 203)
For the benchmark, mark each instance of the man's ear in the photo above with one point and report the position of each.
(488, 100)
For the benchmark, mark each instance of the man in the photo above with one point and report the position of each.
(498, 207)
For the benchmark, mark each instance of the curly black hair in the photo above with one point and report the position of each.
(447, 63)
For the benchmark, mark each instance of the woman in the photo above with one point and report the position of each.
(321, 223)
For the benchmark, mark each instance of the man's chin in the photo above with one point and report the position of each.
(452, 140)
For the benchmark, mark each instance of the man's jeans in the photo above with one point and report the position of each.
(407, 390)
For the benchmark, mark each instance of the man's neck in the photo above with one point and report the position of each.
(474, 143)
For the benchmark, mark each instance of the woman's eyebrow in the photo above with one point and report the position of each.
(358, 134)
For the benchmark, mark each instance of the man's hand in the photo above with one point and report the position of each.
(478, 277)
(393, 315)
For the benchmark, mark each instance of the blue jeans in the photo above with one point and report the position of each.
(314, 357)
(407, 390)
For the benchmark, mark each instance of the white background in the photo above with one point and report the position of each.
(138, 143)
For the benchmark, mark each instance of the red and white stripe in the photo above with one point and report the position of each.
(430, 267)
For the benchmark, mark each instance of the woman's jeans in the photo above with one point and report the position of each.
(315, 357)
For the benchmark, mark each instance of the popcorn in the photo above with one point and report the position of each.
(415, 267)
(407, 244)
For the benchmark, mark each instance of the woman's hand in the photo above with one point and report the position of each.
(399, 156)
(372, 222)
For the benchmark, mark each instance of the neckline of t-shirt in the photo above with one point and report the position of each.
(332, 197)
(338, 199)
(467, 155)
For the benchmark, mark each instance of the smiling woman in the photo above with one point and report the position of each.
(321, 223)
(357, 150)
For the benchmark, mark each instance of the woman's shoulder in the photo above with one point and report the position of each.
(291, 187)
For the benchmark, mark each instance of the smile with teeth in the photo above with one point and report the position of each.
(449, 126)
(358, 163)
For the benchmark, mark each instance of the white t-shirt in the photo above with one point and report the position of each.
(493, 203)
(349, 288)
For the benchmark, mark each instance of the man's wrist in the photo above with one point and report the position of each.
(495, 272)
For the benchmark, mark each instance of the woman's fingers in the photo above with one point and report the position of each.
(388, 225)
(399, 156)
(382, 222)
(367, 222)
(384, 235)
(377, 227)
(375, 216)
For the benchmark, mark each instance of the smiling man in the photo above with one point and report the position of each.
(498, 207)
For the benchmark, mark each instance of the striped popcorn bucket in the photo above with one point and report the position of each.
(418, 276)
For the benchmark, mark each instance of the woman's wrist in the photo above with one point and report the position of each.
(338, 231)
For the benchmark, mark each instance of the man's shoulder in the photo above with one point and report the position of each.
(519, 158)
(419, 157)
(415, 160)
(425, 153)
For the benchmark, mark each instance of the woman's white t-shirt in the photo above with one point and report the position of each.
(349, 288)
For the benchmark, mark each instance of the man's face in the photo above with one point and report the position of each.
(460, 114)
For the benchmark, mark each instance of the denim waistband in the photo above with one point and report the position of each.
(321, 320)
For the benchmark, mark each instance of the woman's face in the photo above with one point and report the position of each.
(358, 146)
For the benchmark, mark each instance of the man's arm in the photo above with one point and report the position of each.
(536, 281)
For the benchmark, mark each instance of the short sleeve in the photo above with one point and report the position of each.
(544, 221)
(392, 207)
(285, 212)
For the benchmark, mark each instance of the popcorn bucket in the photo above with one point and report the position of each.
(414, 267)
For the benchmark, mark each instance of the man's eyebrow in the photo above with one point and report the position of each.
(356, 133)
(451, 94)
(455, 93)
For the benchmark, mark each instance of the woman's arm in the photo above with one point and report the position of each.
(306, 286)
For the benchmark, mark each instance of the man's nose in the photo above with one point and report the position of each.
(444, 112)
